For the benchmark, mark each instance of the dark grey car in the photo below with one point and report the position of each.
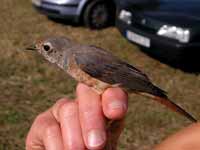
(166, 29)
(93, 13)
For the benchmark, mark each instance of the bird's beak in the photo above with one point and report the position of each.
(31, 48)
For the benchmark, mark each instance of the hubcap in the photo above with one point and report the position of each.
(99, 15)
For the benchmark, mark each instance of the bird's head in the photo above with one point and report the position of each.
(54, 49)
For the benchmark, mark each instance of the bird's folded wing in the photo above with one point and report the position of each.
(102, 65)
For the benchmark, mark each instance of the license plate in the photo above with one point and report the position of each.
(139, 39)
(36, 2)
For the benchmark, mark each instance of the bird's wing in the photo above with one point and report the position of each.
(103, 66)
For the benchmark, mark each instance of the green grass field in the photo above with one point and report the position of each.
(28, 85)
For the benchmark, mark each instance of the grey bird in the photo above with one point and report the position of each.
(100, 69)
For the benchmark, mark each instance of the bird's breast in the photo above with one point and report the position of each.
(79, 75)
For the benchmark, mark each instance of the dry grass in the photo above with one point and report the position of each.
(28, 85)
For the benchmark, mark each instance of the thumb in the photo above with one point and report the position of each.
(114, 129)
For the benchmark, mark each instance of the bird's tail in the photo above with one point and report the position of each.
(169, 104)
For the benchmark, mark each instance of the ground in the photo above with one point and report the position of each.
(29, 85)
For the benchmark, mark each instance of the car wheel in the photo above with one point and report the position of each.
(98, 14)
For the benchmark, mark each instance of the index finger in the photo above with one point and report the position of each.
(91, 117)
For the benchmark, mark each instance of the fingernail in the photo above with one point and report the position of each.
(116, 104)
(96, 138)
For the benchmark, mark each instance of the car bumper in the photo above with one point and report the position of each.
(68, 12)
(156, 41)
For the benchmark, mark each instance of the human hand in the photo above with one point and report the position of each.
(79, 124)
(186, 139)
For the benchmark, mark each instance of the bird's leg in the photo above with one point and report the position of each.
(114, 128)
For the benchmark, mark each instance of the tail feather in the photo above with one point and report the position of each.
(171, 105)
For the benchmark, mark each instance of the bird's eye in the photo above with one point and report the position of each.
(46, 47)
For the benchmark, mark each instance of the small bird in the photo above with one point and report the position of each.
(100, 69)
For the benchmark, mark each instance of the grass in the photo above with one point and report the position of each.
(28, 85)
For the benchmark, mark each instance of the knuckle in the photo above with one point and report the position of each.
(69, 110)
(40, 118)
(82, 88)
(48, 126)
(90, 119)
(89, 114)
(51, 130)
(55, 109)
(31, 144)
(61, 101)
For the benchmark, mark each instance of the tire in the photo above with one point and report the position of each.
(99, 14)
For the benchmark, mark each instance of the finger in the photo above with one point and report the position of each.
(186, 139)
(115, 103)
(91, 118)
(44, 134)
(70, 126)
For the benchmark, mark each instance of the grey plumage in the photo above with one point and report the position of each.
(102, 65)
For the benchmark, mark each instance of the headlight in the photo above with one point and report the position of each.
(180, 34)
(125, 16)
(36, 2)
